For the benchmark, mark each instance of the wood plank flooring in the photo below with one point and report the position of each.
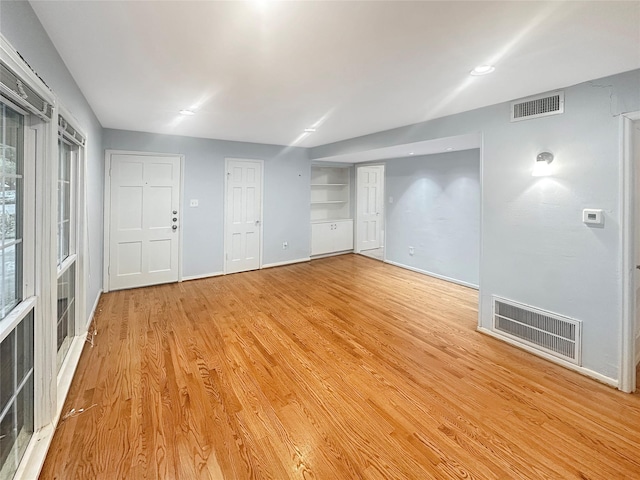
(341, 368)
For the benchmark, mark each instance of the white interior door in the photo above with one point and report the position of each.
(243, 215)
(370, 193)
(144, 246)
(636, 160)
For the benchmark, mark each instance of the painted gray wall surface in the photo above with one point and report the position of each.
(435, 209)
(21, 27)
(287, 193)
(535, 248)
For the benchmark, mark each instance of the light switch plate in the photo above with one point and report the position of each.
(593, 216)
(193, 203)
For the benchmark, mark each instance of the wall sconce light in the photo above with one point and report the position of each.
(542, 167)
(545, 157)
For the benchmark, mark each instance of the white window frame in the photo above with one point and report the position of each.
(37, 272)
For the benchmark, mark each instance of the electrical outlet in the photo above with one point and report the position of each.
(193, 203)
(285, 245)
(411, 251)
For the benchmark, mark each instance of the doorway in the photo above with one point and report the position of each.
(243, 215)
(370, 211)
(142, 219)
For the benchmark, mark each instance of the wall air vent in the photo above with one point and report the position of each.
(537, 106)
(544, 331)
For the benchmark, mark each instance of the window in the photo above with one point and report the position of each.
(16, 396)
(16, 313)
(69, 146)
(64, 200)
(11, 157)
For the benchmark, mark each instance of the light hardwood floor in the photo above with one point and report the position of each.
(341, 368)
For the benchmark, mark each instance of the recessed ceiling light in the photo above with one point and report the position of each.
(482, 70)
(449, 149)
(187, 112)
(309, 130)
(410, 153)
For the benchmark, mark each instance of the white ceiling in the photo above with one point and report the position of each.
(262, 71)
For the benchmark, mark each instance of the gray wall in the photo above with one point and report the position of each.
(535, 248)
(435, 209)
(21, 27)
(286, 206)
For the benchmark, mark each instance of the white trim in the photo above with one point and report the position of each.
(627, 360)
(584, 371)
(286, 262)
(15, 63)
(200, 277)
(480, 233)
(331, 254)
(224, 209)
(106, 261)
(637, 359)
(93, 310)
(435, 275)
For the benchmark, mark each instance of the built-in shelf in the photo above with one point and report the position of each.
(331, 223)
(330, 193)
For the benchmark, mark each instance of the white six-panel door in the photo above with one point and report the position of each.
(144, 221)
(243, 215)
(370, 215)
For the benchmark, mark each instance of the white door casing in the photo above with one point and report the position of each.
(243, 215)
(635, 153)
(370, 195)
(143, 219)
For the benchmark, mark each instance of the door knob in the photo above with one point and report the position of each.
(175, 227)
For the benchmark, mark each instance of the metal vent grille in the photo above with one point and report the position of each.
(19, 91)
(538, 106)
(557, 335)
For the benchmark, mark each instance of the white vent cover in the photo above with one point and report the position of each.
(537, 106)
(546, 331)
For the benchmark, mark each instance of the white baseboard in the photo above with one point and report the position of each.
(431, 274)
(332, 254)
(286, 262)
(200, 277)
(612, 382)
(93, 310)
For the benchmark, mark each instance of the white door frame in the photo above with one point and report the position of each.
(225, 206)
(627, 364)
(107, 209)
(384, 208)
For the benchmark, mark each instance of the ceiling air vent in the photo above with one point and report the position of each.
(537, 106)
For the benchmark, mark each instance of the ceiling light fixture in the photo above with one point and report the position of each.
(410, 153)
(309, 130)
(187, 112)
(482, 70)
(448, 149)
